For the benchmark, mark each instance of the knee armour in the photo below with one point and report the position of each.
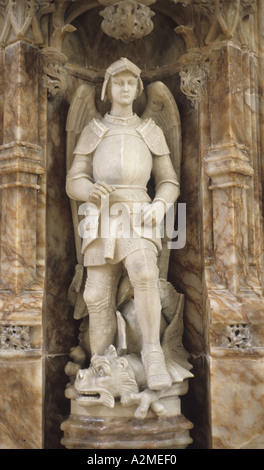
(99, 297)
(143, 274)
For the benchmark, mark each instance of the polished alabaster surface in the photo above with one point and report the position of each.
(210, 55)
(130, 350)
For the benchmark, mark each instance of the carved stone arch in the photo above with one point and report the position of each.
(76, 10)
(79, 17)
(89, 50)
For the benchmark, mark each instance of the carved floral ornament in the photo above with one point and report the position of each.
(13, 337)
(193, 79)
(127, 19)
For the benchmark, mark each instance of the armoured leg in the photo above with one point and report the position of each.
(143, 273)
(100, 298)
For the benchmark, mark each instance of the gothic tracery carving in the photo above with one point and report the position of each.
(23, 17)
(227, 19)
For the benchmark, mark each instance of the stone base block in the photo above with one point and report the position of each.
(87, 432)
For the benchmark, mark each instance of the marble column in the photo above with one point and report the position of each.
(232, 248)
(22, 250)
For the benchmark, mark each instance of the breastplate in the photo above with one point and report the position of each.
(122, 158)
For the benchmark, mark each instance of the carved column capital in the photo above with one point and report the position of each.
(55, 75)
(227, 161)
(193, 74)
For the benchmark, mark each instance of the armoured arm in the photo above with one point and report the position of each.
(166, 181)
(79, 182)
(79, 178)
(167, 187)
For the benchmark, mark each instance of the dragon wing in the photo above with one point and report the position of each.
(162, 108)
(82, 109)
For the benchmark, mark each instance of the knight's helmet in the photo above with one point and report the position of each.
(121, 65)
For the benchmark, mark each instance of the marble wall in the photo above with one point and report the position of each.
(210, 55)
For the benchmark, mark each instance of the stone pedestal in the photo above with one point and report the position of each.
(100, 428)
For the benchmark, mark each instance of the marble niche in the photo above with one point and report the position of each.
(210, 56)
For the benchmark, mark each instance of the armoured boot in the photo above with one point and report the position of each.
(99, 296)
(102, 330)
(158, 377)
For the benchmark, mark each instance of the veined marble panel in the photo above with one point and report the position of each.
(21, 410)
(237, 403)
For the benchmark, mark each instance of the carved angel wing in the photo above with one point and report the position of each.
(82, 109)
(162, 108)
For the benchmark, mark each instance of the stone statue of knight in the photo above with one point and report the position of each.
(123, 153)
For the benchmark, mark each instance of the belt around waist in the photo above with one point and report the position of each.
(129, 186)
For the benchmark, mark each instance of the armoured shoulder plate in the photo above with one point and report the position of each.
(90, 137)
(153, 137)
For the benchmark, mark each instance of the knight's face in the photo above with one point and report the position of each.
(124, 88)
